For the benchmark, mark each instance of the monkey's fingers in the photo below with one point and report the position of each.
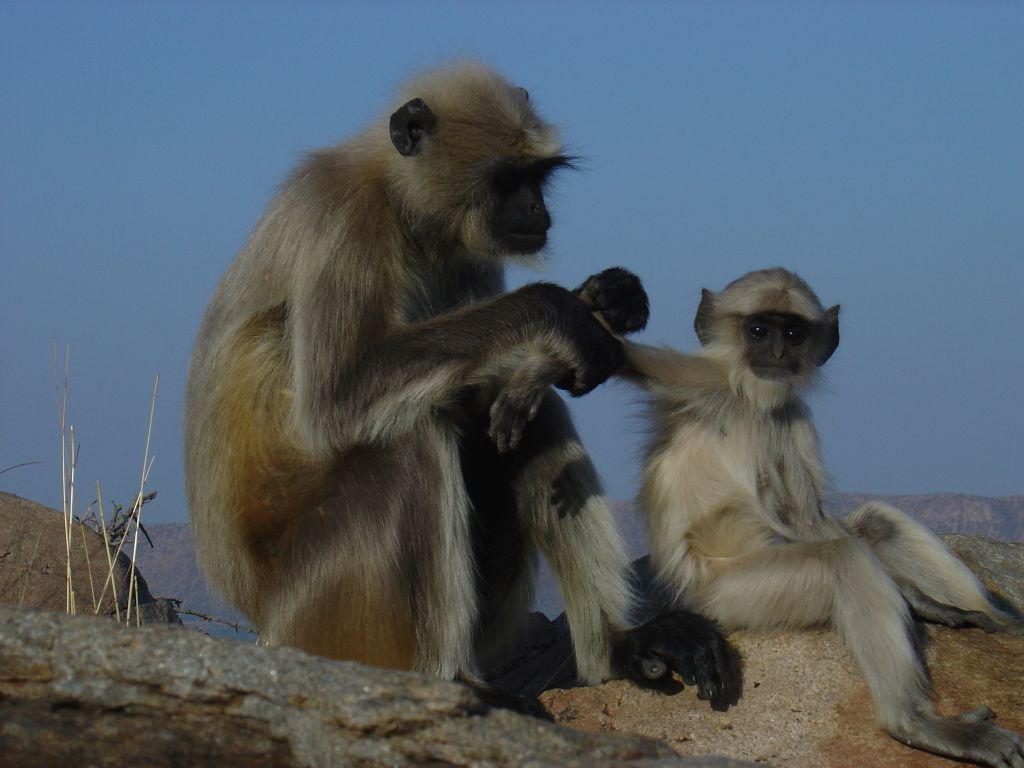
(692, 647)
(511, 411)
(506, 427)
(704, 659)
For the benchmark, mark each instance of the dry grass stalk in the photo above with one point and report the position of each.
(67, 474)
(68, 465)
(110, 559)
(26, 571)
(88, 566)
(147, 465)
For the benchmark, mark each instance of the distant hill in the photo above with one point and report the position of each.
(171, 570)
(995, 517)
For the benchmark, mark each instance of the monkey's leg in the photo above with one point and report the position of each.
(560, 496)
(938, 586)
(381, 571)
(801, 584)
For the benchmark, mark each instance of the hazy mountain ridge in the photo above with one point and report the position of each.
(995, 517)
(171, 569)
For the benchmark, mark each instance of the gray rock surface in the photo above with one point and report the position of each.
(999, 564)
(85, 691)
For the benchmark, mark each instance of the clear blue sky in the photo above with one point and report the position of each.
(876, 148)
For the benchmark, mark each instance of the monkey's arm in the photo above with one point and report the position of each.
(385, 385)
(671, 375)
(618, 301)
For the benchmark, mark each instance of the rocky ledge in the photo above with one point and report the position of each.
(87, 691)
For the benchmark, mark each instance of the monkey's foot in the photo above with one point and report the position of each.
(967, 737)
(524, 705)
(931, 610)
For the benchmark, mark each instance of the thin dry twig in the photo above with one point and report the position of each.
(16, 466)
(238, 626)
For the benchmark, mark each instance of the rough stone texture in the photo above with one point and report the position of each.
(33, 565)
(999, 564)
(83, 691)
(804, 701)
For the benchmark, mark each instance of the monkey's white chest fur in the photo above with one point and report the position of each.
(713, 492)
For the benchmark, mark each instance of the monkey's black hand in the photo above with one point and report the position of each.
(618, 296)
(689, 645)
(588, 350)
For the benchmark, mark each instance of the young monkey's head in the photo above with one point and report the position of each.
(769, 323)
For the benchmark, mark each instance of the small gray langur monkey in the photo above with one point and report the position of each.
(732, 492)
(342, 488)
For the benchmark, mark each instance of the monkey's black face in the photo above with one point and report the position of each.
(778, 345)
(521, 220)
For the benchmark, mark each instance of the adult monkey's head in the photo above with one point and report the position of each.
(471, 161)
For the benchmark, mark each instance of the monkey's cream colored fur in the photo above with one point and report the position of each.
(732, 492)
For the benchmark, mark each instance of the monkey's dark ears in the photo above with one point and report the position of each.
(409, 125)
(522, 93)
(830, 339)
(704, 322)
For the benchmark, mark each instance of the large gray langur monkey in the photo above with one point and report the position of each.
(342, 487)
(732, 492)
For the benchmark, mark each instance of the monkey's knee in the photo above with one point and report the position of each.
(877, 523)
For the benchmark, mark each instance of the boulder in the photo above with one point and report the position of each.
(999, 564)
(77, 690)
(34, 559)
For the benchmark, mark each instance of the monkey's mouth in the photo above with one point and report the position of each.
(523, 242)
(774, 372)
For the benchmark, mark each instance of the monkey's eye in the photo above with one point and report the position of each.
(758, 331)
(796, 336)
